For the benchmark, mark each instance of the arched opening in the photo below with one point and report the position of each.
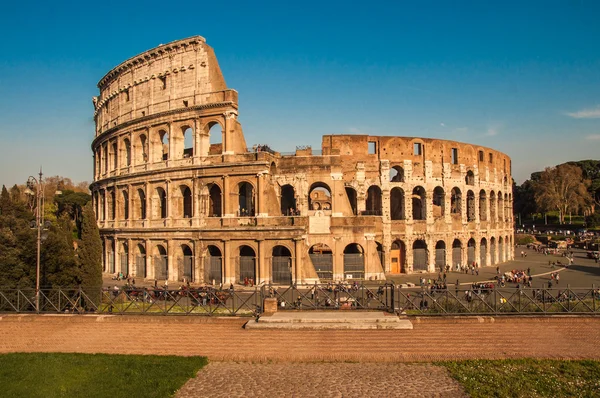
(141, 204)
(492, 206)
(142, 149)
(115, 156)
(186, 194)
(420, 257)
(398, 257)
(111, 257)
(247, 265)
(352, 199)
(188, 143)
(492, 251)
(127, 145)
(373, 203)
(507, 246)
(440, 254)
(482, 206)
(322, 259)
(214, 205)
(111, 205)
(281, 265)
(124, 259)
(455, 201)
(397, 204)
(354, 262)
(470, 178)
(470, 206)
(161, 201)
(125, 205)
(380, 254)
(507, 209)
(140, 262)
(471, 251)
(500, 207)
(319, 197)
(483, 252)
(419, 208)
(216, 135)
(273, 169)
(161, 263)
(500, 250)
(187, 263)
(246, 199)
(164, 142)
(213, 265)
(439, 200)
(288, 201)
(396, 174)
(457, 252)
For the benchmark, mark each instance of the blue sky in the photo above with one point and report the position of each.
(521, 77)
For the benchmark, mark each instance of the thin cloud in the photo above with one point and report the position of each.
(461, 130)
(442, 124)
(590, 113)
(492, 131)
(593, 137)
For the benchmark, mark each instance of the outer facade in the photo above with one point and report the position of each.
(178, 195)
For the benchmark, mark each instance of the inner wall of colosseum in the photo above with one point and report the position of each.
(179, 196)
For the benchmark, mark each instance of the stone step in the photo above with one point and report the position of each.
(329, 320)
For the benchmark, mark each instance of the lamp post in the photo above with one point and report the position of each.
(39, 220)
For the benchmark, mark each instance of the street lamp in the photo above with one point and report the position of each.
(39, 220)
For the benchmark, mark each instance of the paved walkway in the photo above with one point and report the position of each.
(229, 379)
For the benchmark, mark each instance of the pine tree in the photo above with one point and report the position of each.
(90, 250)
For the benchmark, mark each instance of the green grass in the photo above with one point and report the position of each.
(527, 377)
(94, 375)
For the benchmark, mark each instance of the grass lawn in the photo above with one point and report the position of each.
(527, 378)
(94, 375)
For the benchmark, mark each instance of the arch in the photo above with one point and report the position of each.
(187, 208)
(352, 199)
(440, 254)
(273, 169)
(507, 247)
(319, 196)
(482, 206)
(188, 142)
(161, 263)
(420, 255)
(470, 206)
(214, 201)
(127, 145)
(111, 204)
(471, 251)
(288, 200)
(397, 211)
(281, 265)
(483, 252)
(492, 208)
(125, 208)
(124, 259)
(164, 144)
(397, 174)
(506, 208)
(470, 178)
(455, 201)
(141, 204)
(186, 264)
(457, 252)
(246, 199)
(500, 249)
(373, 202)
(321, 256)
(419, 204)
(215, 132)
(111, 257)
(141, 149)
(114, 155)
(398, 257)
(439, 202)
(492, 250)
(213, 265)
(246, 265)
(160, 209)
(140, 262)
(500, 205)
(354, 261)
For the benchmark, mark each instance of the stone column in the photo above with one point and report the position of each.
(169, 201)
(260, 200)
(149, 260)
(298, 255)
(226, 208)
(228, 264)
(196, 198)
(130, 264)
(449, 256)
(263, 275)
(173, 263)
(338, 258)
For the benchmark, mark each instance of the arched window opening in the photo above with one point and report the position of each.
(115, 156)
(492, 251)
(398, 257)
(111, 205)
(420, 257)
(352, 199)
(162, 203)
(492, 206)
(125, 205)
(440, 255)
(354, 262)
(143, 148)
(281, 265)
(439, 200)
(418, 203)
(397, 204)
(140, 262)
(124, 259)
(142, 204)
(213, 265)
(500, 207)
(288, 201)
(216, 134)
(188, 143)
(506, 208)
(396, 174)
(164, 141)
(186, 194)
(187, 264)
(214, 208)
(482, 206)
(246, 199)
(470, 206)
(483, 252)
(319, 197)
(247, 265)
(161, 263)
(127, 145)
(373, 203)
(322, 259)
(471, 252)
(273, 169)
(455, 201)
(470, 178)
(457, 252)
(380, 254)
(500, 250)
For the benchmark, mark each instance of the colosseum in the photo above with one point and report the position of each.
(179, 195)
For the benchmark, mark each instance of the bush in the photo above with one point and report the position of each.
(524, 239)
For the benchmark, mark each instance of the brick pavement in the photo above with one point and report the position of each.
(230, 379)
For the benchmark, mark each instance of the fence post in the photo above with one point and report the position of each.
(594, 297)
(495, 299)
(393, 288)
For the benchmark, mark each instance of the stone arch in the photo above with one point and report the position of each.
(470, 178)
(471, 251)
(288, 200)
(398, 257)
(162, 150)
(482, 206)
(321, 257)
(373, 202)
(213, 265)
(440, 254)
(319, 196)
(124, 259)
(397, 207)
(187, 205)
(281, 265)
(160, 203)
(439, 202)
(483, 252)
(246, 264)
(141, 205)
(500, 249)
(506, 208)
(457, 252)
(141, 149)
(470, 206)
(112, 203)
(114, 153)
(352, 199)
(161, 262)
(419, 203)
(246, 200)
(188, 142)
(500, 205)
(492, 207)
(125, 207)
(455, 201)
(141, 269)
(127, 152)
(354, 261)
(396, 174)
(492, 250)
(214, 200)
(420, 255)
(186, 263)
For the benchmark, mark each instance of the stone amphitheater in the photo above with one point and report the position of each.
(179, 195)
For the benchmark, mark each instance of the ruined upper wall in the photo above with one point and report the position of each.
(184, 73)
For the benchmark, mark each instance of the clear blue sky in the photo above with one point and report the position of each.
(522, 77)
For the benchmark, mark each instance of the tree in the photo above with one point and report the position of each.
(60, 267)
(562, 188)
(90, 249)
